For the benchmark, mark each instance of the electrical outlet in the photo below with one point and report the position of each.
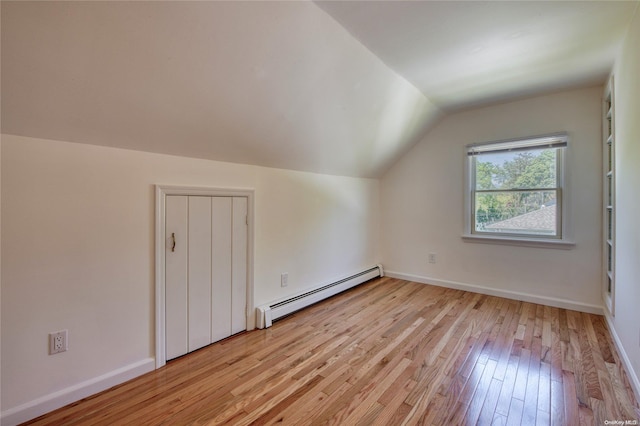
(58, 342)
(432, 258)
(284, 279)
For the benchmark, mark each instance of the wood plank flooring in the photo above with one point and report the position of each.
(389, 352)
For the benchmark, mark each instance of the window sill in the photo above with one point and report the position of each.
(515, 241)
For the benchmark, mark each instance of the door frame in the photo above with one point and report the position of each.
(162, 191)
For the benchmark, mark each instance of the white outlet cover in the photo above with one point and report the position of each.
(58, 342)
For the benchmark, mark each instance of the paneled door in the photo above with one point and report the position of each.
(205, 270)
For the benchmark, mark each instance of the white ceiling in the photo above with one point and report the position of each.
(284, 84)
(466, 53)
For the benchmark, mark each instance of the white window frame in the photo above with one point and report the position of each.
(562, 240)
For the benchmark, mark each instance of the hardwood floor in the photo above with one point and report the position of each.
(389, 352)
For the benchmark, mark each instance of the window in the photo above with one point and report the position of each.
(515, 188)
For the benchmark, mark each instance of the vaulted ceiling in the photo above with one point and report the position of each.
(462, 54)
(331, 87)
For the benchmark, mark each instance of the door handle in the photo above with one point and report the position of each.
(173, 241)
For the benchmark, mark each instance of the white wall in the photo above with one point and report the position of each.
(0, 273)
(277, 83)
(78, 250)
(627, 131)
(422, 205)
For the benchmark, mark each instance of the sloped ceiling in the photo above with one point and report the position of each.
(462, 54)
(285, 84)
(277, 84)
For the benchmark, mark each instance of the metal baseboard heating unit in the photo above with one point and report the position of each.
(266, 314)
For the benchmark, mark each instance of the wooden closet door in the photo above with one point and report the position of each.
(206, 270)
(221, 267)
(199, 260)
(176, 251)
(239, 265)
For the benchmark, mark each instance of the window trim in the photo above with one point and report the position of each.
(563, 238)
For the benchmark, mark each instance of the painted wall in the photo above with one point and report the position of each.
(627, 131)
(78, 249)
(278, 83)
(422, 204)
(0, 273)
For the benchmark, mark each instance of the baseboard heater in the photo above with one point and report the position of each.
(266, 314)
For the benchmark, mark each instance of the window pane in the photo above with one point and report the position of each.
(517, 212)
(517, 170)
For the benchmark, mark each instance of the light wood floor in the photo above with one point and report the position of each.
(389, 352)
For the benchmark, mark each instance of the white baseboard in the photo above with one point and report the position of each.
(633, 376)
(508, 294)
(55, 400)
(268, 313)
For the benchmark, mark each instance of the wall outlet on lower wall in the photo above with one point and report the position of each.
(432, 258)
(58, 342)
(284, 279)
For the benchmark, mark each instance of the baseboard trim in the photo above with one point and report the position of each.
(626, 362)
(55, 400)
(515, 295)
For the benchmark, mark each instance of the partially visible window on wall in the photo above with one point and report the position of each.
(516, 187)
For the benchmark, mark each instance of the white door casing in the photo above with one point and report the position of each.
(222, 228)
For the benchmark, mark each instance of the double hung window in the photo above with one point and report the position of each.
(516, 188)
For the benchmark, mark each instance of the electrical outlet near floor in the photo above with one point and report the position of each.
(432, 258)
(58, 342)
(284, 279)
